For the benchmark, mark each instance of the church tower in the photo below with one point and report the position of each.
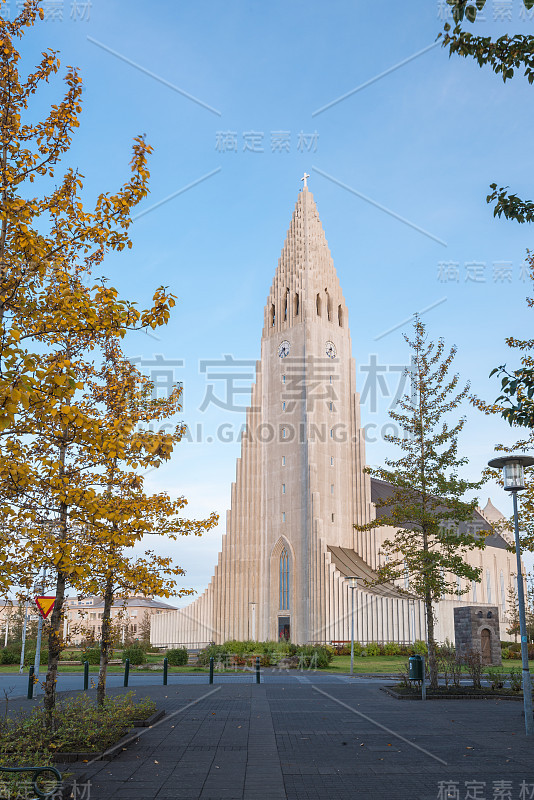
(313, 485)
(300, 483)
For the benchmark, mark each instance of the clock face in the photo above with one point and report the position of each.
(331, 351)
(284, 348)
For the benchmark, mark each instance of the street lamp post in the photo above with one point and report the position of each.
(513, 476)
(353, 584)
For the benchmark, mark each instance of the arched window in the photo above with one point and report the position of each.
(284, 580)
(286, 300)
(318, 304)
(340, 316)
(296, 304)
(328, 306)
(273, 316)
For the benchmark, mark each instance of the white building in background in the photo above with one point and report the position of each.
(300, 486)
(83, 615)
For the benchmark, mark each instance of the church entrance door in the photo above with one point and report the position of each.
(485, 642)
(283, 628)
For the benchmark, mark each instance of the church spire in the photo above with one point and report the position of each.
(305, 284)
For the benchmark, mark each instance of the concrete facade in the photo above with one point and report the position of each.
(300, 485)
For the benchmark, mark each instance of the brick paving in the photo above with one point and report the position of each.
(297, 740)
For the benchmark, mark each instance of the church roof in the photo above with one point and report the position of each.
(349, 563)
(492, 513)
(382, 490)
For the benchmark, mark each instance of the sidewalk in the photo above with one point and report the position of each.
(296, 740)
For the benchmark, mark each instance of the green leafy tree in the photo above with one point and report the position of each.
(427, 504)
(513, 609)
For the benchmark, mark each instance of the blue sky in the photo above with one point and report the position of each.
(424, 142)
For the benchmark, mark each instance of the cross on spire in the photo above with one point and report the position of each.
(305, 179)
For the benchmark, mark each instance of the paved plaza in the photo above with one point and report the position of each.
(305, 736)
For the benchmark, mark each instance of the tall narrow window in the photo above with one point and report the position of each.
(283, 461)
(283, 488)
(503, 596)
(283, 516)
(340, 316)
(458, 586)
(283, 405)
(273, 315)
(296, 304)
(331, 488)
(328, 306)
(474, 590)
(331, 461)
(488, 586)
(286, 301)
(318, 304)
(284, 580)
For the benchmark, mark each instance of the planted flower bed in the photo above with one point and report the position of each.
(79, 730)
(402, 692)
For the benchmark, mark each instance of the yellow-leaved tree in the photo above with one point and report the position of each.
(70, 487)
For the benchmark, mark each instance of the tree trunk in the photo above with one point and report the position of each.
(54, 634)
(431, 642)
(54, 647)
(105, 642)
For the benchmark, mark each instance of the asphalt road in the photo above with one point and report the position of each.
(17, 685)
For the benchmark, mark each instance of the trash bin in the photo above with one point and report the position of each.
(416, 668)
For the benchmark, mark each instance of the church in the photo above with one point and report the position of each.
(290, 542)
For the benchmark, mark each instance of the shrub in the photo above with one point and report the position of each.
(314, 656)
(239, 648)
(213, 650)
(29, 657)
(392, 649)
(420, 648)
(10, 655)
(90, 654)
(177, 657)
(496, 678)
(515, 679)
(507, 653)
(135, 653)
(373, 649)
(473, 661)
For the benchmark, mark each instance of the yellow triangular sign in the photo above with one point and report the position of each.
(45, 605)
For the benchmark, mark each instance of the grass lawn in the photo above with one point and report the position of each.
(367, 664)
(387, 664)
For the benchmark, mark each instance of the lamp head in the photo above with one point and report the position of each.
(353, 581)
(513, 470)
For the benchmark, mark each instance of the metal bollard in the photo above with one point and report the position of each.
(30, 682)
(257, 669)
(165, 670)
(126, 671)
(85, 676)
(211, 669)
(423, 685)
